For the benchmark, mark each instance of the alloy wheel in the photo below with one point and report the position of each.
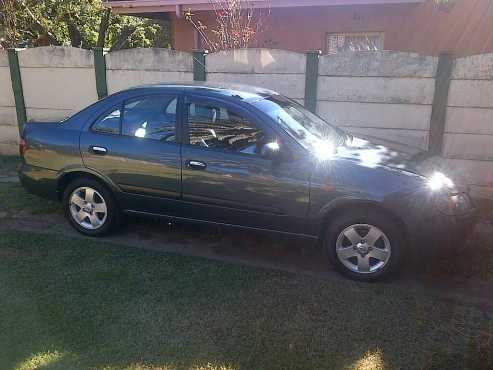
(88, 208)
(363, 248)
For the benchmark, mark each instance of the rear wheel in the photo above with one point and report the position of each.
(90, 207)
(365, 245)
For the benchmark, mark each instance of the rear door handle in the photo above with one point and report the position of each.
(196, 165)
(98, 150)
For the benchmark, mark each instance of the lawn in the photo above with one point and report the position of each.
(82, 303)
(8, 165)
(68, 302)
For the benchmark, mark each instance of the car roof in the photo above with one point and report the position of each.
(245, 92)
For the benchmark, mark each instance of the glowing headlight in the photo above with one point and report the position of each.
(324, 150)
(439, 181)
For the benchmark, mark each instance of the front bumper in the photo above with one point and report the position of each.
(442, 234)
(39, 181)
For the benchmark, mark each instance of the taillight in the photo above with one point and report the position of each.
(22, 146)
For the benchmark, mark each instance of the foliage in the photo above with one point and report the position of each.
(237, 24)
(78, 23)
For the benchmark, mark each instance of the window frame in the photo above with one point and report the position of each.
(234, 108)
(352, 33)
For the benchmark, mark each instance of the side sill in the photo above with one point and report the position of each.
(193, 220)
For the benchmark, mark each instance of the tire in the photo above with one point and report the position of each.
(90, 207)
(373, 253)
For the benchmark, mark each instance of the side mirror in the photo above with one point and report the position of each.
(271, 151)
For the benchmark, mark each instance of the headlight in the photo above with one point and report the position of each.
(453, 204)
(447, 197)
(439, 181)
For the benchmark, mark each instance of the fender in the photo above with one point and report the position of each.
(337, 205)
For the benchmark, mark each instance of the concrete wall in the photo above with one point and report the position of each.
(387, 95)
(468, 141)
(382, 94)
(280, 70)
(8, 119)
(57, 81)
(133, 67)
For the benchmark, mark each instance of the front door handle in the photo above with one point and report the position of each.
(98, 150)
(196, 165)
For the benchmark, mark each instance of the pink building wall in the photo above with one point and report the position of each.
(465, 29)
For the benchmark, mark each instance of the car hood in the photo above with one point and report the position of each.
(376, 152)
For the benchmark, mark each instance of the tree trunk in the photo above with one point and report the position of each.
(74, 33)
(103, 28)
(123, 37)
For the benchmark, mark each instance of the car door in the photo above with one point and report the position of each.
(226, 180)
(135, 145)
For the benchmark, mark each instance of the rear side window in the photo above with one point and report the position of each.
(150, 117)
(108, 123)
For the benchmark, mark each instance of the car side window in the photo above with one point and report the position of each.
(108, 123)
(216, 127)
(150, 117)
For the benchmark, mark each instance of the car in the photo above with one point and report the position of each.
(249, 158)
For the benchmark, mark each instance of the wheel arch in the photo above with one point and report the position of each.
(345, 205)
(67, 177)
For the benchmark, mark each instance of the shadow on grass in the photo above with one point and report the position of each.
(77, 304)
(8, 165)
(14, 199)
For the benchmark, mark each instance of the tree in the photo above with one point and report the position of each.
(237, 24)
(77, 23)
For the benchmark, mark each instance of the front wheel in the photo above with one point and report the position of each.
(365, 245)
(90, 207)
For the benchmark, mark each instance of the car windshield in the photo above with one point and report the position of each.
(307, 128)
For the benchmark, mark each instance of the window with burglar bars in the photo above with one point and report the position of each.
(354, 41)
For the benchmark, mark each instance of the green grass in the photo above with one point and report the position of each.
(8, 164)
(14, 199)
(82, 303)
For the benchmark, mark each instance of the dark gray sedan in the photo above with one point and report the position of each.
(243, 157)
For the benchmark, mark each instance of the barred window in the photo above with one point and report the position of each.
(354, 41)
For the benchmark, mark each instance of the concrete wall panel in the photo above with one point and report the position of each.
(123, 79)
(469, 120)
(410, 117)
(9, 138)
(56, 56)
(471, 93)
(8, 117)
(378, 64)
(474, 67)
(57, 80)
(256, 61)
(59, 88)
(376, 89)
(141, 59)
(292, 85)
(413, 138)
(468, 146)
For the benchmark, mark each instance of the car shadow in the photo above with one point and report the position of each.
(305, 256)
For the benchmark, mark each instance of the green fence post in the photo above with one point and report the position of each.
(439, 107)
(100, 70)
(15, 77)
(199, 65)
(311, 79)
